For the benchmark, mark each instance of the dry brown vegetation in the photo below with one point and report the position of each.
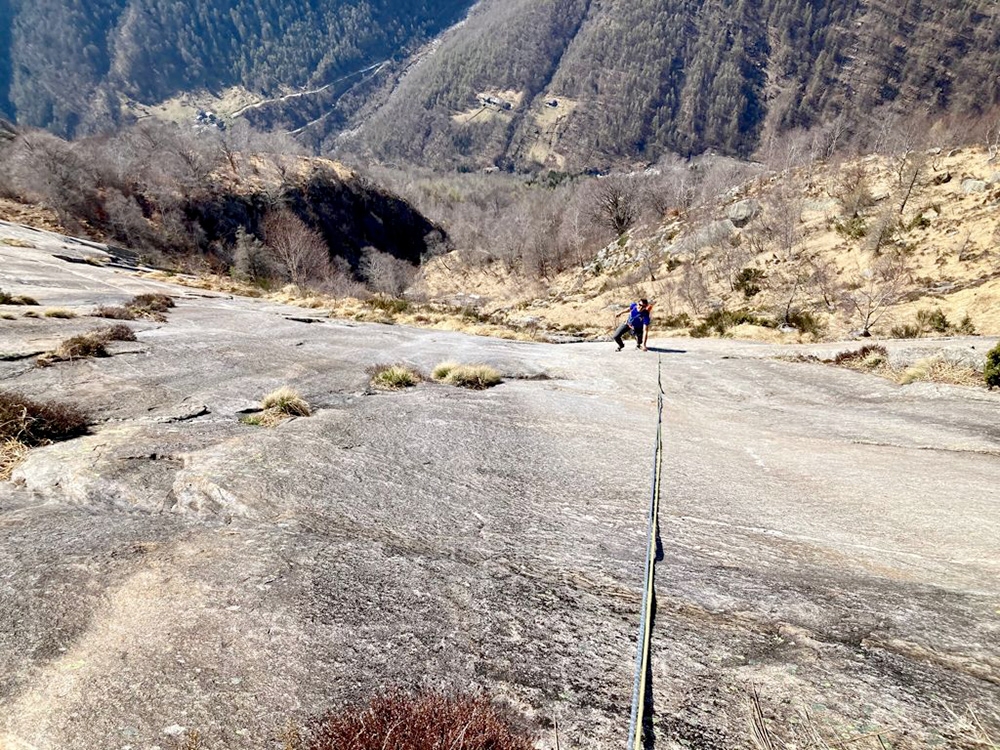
(886, 244)
(838, 242)
(874, 358)
(426, 721)
(277, 406)
(151, 306)
(26, 423)
(15, 299)
(393, 377)
(91, 344)
(476, 376)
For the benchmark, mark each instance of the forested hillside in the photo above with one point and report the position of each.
(593, 84)
(569, 85)
(65, 64)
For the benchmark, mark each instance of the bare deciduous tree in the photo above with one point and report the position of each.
(693, 289)
(617, 205)
(302, 251)
(871, 290)
(384, 273)
(993, 139)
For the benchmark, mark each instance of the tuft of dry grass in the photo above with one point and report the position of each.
(12, 452)
(15, 299)
(116, 332)
(26, 423)
(867, 358)
(393, 377)
(90, 344)
(429, 720)
(477, 377)
(58, 312)
(278, 406)
(84, 345)
(287, 401)
(155, 302)
(937, 370)
(152, 306)
(442, 370)
(114, 312)
(15, 242)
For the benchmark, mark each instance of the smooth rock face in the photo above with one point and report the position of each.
(829, 538)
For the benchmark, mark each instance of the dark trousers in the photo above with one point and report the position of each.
(625, 328)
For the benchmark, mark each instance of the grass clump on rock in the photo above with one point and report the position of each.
(15, 299)
(114, 312)
(26, 423)
(427, 721)
(152, 306)
(991, 372)
(477, 377)
(393, 377)
(867, 358)
(277, 406)
(287, 401)
(59, 312)
(938, 370)
(91, 344)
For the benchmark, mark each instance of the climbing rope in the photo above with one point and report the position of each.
(642, 686)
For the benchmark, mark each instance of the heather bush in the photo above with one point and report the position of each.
(426, 721)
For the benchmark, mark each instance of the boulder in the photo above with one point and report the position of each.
(744, 212)
(973, 186)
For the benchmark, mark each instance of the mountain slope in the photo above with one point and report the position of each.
(594, 84)
(68, 63)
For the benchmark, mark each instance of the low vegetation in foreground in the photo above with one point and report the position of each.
(27, 423)
(150, 306)
(277, 406)
(427, 721)
(91, 344)
(393, 377)
(477, 376)
(15, 299)
(874, 358)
